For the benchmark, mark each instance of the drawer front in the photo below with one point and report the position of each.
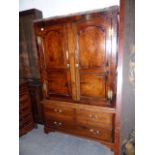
(59, 124)
(60, 112)
(96, 118)
(95, 132)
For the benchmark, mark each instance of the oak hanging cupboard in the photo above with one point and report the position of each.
(78, 66)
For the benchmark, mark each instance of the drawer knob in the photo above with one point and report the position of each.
(55, 110)
(55, 122)
(97, 132)
(91, 130)
(60, 111)
(59, 124)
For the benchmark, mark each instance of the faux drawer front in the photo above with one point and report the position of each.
(96, 118)
(95, 132)
(64, 113)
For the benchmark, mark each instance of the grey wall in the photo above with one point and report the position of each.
(128, 95)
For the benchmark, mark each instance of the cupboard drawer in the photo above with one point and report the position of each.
(95, 132)
(96, 118)
(51, 115)
(59, 124)
(65, 113)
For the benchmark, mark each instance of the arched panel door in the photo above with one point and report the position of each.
(93, 47)
(91, 42)
(56, 61)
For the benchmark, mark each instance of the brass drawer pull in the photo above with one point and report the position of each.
(58, 110)
(55, 110)
(93, 116)
(96, 132)
(91, 130)
(57, 123)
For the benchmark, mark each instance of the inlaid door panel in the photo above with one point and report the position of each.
(57, 60)
(91, 57)
(92, 85)
(91, 47)
(54, 45)
(58, 83)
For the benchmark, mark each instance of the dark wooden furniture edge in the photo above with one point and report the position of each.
(75, 16)
(31, 11)
(23, 91)
(119, 80)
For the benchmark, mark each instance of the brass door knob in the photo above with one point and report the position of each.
(68, 65)
(77, 65)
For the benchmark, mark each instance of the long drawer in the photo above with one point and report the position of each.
(83, 130)
(92, 117)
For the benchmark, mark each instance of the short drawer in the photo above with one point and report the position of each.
(96, 118)
(96, 132)
(59, 124)
(65, 113)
